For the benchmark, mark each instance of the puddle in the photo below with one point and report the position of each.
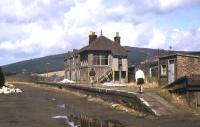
(53, 99)
(84, 121)
(66, 120)
(72, 118)
(61, 106)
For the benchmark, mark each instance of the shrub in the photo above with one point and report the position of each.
(2, 78)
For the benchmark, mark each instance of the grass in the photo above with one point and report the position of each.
(179, 101)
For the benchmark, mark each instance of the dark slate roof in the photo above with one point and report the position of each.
(70, 54)
(104, 44)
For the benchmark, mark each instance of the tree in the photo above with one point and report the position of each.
(2, 78)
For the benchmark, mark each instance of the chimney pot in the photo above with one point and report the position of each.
(117, 38)
(117, 34)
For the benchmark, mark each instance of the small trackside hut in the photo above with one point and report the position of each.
(173, 67)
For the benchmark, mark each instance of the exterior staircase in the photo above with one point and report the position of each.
(104, 76)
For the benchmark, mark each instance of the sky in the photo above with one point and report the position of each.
(35, 28)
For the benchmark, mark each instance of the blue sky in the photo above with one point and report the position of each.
(36, 28)
(184, 19)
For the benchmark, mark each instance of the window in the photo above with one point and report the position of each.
(100, 60)
(96, 60)
(123, 74)
(73, 61)
(163, 70)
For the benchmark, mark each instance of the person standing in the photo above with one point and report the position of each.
(92, 74)
(140, 78)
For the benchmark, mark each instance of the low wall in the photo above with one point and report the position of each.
(129, 99)
(189, 87)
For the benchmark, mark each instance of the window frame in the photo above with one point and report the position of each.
(99, 59)
(162, 72)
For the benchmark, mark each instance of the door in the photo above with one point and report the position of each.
(115, 65)
(171, 70)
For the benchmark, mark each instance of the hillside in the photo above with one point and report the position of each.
(37, 65)
(135, 55)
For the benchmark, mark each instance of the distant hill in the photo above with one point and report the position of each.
(37, 65)
(135, 55)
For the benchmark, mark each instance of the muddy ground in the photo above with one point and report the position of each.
(36, 105)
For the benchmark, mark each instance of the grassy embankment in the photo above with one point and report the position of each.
(177, 100)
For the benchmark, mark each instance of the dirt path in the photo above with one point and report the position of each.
(35, 107)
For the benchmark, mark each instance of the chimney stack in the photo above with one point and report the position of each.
(117, 38)
(92, 37)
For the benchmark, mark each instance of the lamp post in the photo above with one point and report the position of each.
(47, 68)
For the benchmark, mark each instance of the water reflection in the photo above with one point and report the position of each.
(84, 121)
(75, 118)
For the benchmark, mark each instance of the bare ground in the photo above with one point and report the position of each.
(36, 105)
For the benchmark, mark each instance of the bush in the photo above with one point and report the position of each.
(2, 78)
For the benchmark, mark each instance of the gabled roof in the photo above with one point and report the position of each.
(102, 43)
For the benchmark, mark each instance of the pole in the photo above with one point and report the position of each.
(47, 71)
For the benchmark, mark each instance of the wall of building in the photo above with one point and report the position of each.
(90, 59)
(187, 65)
(184, 66)
(163, 79)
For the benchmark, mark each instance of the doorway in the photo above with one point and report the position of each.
(171, 70)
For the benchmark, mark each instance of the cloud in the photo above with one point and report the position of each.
(35, 28)
(161, 6)
(168, 5)
(178, 39)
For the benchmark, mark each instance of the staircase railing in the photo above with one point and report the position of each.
(104, 75)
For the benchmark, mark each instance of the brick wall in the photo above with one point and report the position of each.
(187, 65)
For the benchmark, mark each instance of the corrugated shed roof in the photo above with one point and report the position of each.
(178, 54)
